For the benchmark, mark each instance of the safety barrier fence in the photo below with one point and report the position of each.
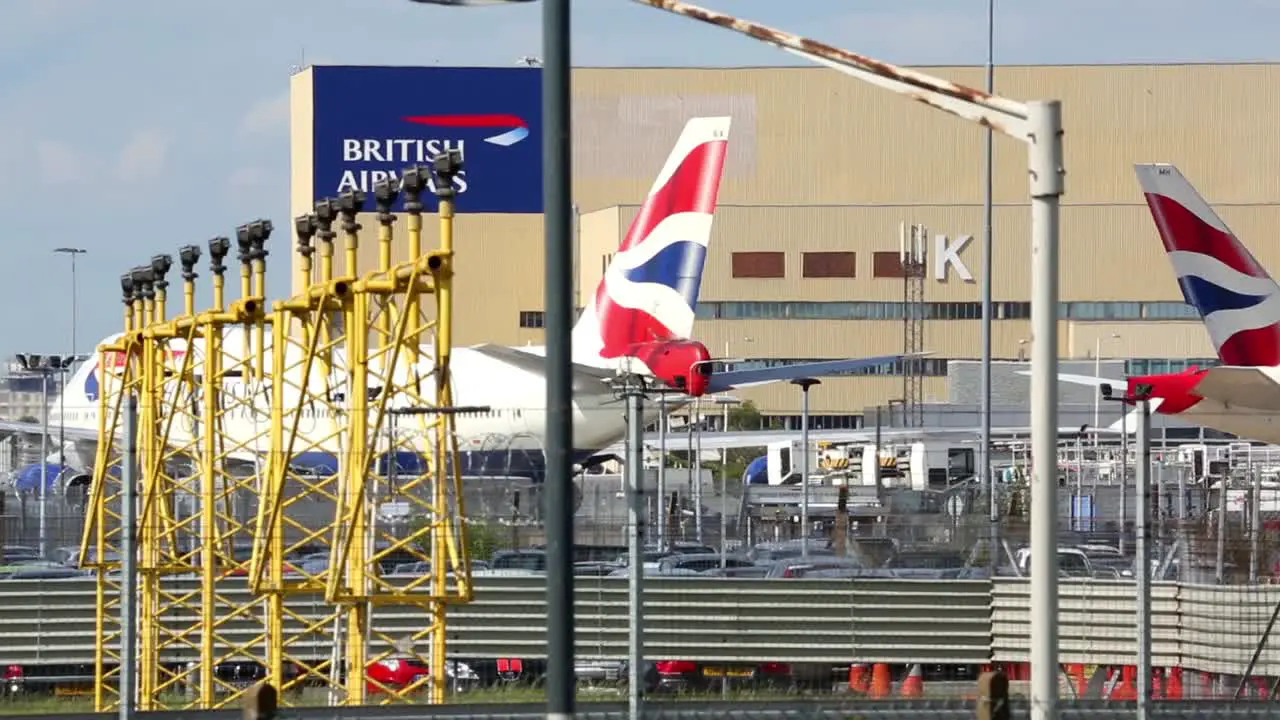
(1213, 629)
(794, 709)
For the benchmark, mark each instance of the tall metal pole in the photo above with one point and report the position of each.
(75, 305)
(1039, 125)
(62, 406)
(637, 510)
(805, 384)
(1124, 475)
(1255, 526)
(662, 471)
(129, 560)
(1044, 121)
(804, 475)
(1097, 397)
(1143, 570)
(44, 459)
(987, 308)
(558, 226)
(724, 486)
(697, 470)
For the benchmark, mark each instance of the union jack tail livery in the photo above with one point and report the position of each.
(1238, 301)
(649, 292)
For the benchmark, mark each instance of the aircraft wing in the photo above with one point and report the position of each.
(679, 441)
(1253, 387)
(1084, 380)
(14, 427)
(721, 382)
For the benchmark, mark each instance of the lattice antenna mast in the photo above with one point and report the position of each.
(913, 241)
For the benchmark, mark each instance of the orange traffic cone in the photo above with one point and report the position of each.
(913, 686)
(881, 681)
(1076, 672)
(1173, 685)
(859, 679)
(1128, 687)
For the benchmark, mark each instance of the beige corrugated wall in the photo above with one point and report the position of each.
(820, 162)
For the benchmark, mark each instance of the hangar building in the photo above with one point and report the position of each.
(821, 173)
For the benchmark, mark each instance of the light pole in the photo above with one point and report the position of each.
(1038, 125)
(696, 426)
(557, 157)
(44, 366)
(1097, 372)
(72, 252)
(804, 384)
(726, 402)
(985, 456)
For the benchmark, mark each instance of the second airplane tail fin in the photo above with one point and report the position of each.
(649, 292)
(1236, 298)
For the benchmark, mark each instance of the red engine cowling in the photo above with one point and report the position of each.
(684, 365)
(1175, 390)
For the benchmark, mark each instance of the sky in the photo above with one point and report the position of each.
(131, 127)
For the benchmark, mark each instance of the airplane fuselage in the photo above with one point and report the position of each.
(502, 432)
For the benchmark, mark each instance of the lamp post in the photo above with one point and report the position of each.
(559, 285)
(44, 366)
(1097, 372)
(726, 402)
(804, 384)
(987, 307)
(71, 252)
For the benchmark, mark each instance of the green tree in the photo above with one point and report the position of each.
(745, 417)
(483, 537)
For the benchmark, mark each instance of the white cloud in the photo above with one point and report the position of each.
(143, 158)
(57, 162)
(267, 116)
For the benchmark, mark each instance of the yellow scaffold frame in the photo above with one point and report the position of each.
(308, 336)
(382, 379)
(183, 624)
(177, 369)
(119, 375)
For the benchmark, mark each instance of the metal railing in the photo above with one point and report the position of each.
(1209, 628)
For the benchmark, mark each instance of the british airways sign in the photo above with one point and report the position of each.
(370, 123)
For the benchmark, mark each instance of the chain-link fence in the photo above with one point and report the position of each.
(911, 507)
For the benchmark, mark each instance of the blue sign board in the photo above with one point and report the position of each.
(371, 123)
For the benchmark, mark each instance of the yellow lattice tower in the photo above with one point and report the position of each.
(189, 527)
(308, 400)
(391, 378)
(119, 376)
(163, 453)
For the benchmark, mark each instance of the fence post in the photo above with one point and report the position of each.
(260, 702)
(993, 696)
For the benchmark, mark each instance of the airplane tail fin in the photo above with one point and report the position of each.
(1234, 295)
(649, 292)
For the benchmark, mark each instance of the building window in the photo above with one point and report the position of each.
(887, 264)
(1013, 311)
(1169, 311)
(828, 264)
(1100, 311)
(890, 310)
(931, 367)
(759, 265)
(532, 319)
(1158, 366)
